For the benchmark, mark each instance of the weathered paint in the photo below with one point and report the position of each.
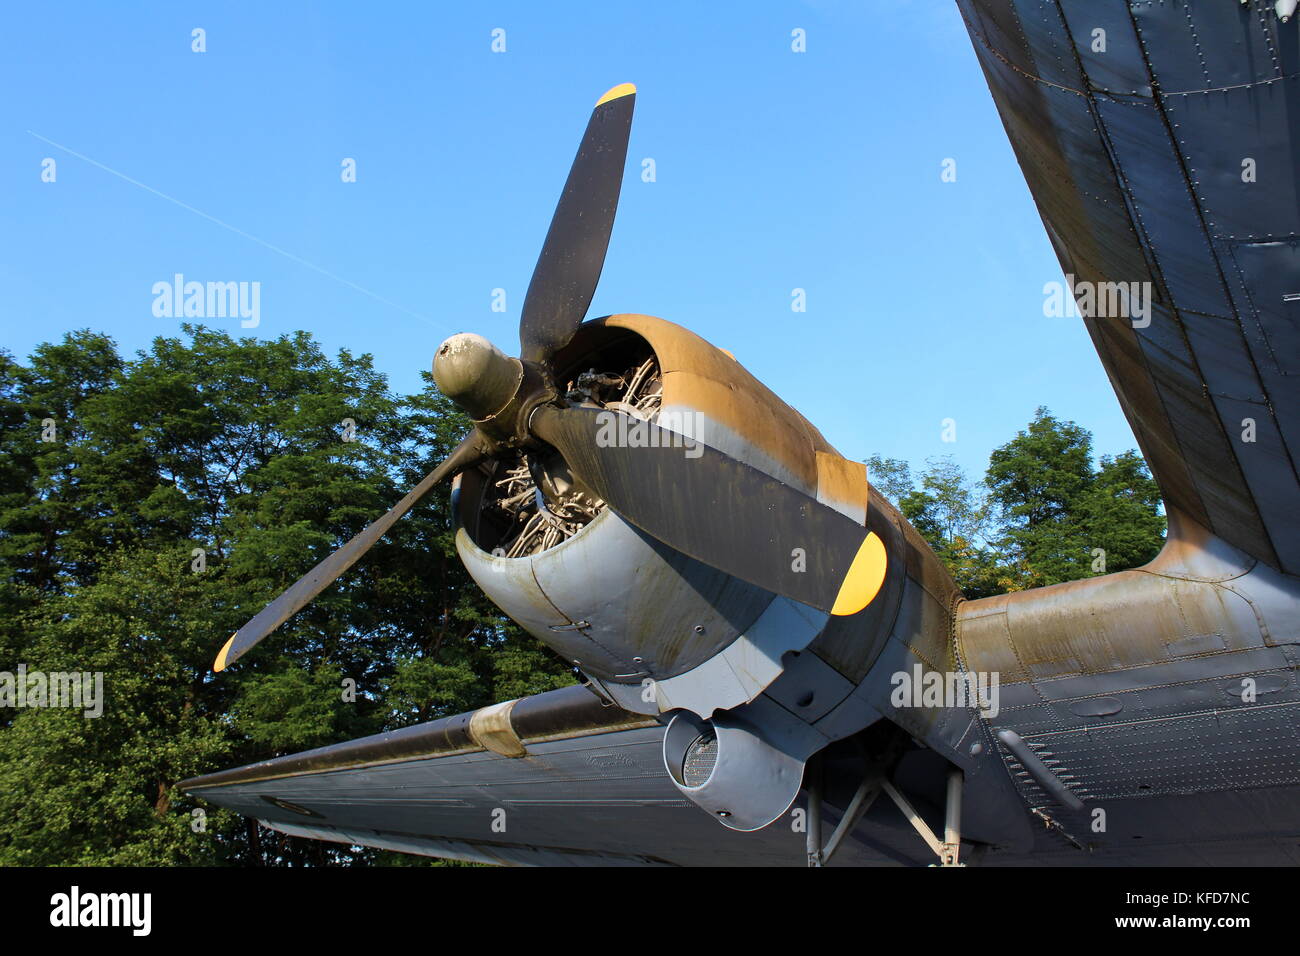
(626, 607)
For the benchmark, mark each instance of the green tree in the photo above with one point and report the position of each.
(892, 477)
(1122, 512)
(1059, 514)
(1042, 515)
(183, 489)
(950, 512)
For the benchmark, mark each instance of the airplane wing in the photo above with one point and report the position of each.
(561, 778)
(1158, 142)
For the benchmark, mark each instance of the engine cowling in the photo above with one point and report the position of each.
(658, 631)
(620, 605)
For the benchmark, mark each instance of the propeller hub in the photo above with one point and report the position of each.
(476, 375)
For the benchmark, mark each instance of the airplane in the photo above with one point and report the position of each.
(745, 607)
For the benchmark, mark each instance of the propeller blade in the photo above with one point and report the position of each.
(467, 454)
(568, 268)
(719, 510)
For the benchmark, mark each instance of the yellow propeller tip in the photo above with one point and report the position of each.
(623, 89)
(219, 664)
(866, 575)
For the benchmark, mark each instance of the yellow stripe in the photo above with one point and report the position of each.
(623, 89)
(866, 575)
(220, 663)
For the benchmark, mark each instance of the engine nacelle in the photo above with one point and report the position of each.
(658, 631)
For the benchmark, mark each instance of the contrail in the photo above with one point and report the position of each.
(239, 232)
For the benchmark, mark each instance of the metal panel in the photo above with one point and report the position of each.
(1147, 185)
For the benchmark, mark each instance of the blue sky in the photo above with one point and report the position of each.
(775, 170)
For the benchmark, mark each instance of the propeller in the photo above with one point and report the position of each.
(559, 294)
(467, 454)
(695, 499)
(565, 277)
(718, 510)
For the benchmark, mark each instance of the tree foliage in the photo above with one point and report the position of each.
(178, 492)
(1043, 514)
